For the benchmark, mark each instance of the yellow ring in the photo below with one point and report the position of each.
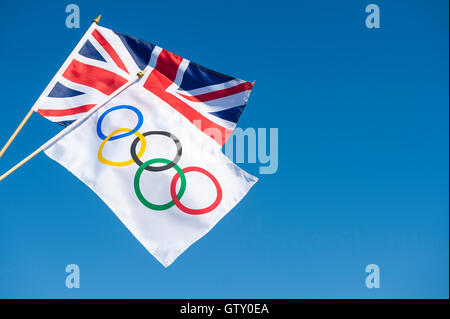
(126, 163)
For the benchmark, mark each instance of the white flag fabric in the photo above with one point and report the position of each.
(167, 181)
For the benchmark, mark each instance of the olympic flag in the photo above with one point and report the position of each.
(166, 181)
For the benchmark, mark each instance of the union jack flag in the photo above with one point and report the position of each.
(104, 60)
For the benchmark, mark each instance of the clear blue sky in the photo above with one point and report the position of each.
(363, 161)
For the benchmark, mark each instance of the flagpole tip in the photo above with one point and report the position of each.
(97, 20)
(141, 73)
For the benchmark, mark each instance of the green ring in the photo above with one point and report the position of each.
(137, 188)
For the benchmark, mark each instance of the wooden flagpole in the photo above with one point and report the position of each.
(16, 132)
(74, 125)
(26, 159)
(27, 117)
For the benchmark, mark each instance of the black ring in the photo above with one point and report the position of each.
(157, 168)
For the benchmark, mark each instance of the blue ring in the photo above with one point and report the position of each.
(129, 107)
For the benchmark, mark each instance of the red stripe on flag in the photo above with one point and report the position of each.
(65, 112)
(168, 64)
(157, 83)
(104, 81)
(219, 93)
(109, 49)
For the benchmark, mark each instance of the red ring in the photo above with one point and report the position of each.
(191, 211)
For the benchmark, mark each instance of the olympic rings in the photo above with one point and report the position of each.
(157, 168)
(129, 107)
(177, 198)
(141, 197)
(110, 137)
(135, 158)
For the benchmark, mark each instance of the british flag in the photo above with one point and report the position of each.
(104, 60)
